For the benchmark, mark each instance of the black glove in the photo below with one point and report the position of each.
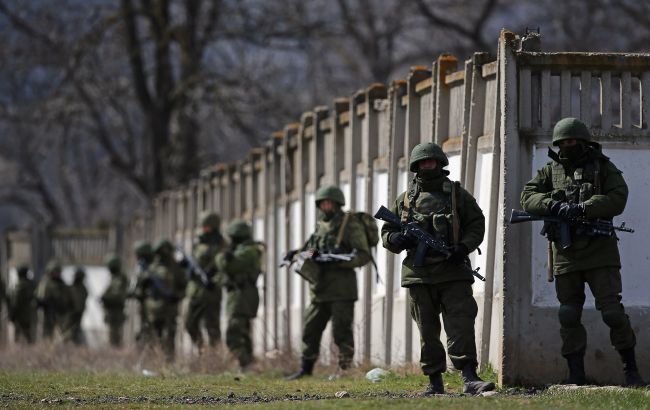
(290, 254)
(458, 253)
(228, 256)
(184, 263)
(567, 210)
(401, 240)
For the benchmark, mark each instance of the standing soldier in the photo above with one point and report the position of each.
(205, 298)
(79, 294)
(442, 284)
(144, 259)
(55, 298)
(164, 287)
(22, 305)
(239, 267)
(334, 285)
(582, 182)
(113, 300)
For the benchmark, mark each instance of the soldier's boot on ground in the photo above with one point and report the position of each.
(576, 364)
(632, 376)
(435, 385)
(472, 384)
(306, 368)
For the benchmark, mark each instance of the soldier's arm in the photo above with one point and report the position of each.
(472, 222)
(613, 198)
(389, 228)
(244, 259)
(536, 195)
(356, 239)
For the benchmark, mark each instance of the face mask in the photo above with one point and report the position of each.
(428, 174)
(572, 153)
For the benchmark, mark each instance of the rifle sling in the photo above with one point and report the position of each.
(339, 236)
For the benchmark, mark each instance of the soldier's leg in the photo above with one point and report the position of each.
(316, 318)
(212, 316)
(425, 309)
(570, 289)
(169, 338)
(195, 311)
(342, 319)
(238, 339)
(459, 311)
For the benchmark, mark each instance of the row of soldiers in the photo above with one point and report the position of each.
(163, 279)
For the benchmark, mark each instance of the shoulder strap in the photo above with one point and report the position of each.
(597, 183)
(409, 196)
(339, 237)
(455, 223)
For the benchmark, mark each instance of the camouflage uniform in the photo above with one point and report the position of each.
(442, 285)
(22, 306)
(205, 301)
(582, 182)
(55, 299)
(164, 288)
(334, 287)
(239, 267)
(79, 294)
(114, 299)
(144, 255)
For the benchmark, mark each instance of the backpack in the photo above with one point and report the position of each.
(369, 225)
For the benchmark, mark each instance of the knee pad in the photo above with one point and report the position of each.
(614, 318)
(570, 315)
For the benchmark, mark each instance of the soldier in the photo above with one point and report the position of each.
(442, 284)
(114, 299)
(582, 182)
(239, 267)
(205, 298)
(144, 256)
(22, 305)
(334, 284)
(79, 294)
(164, 287)
(55, 298)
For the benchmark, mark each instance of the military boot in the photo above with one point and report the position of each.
(576, 364)
(632, 376)
(472, 384)
(306, 368)
(435, 385)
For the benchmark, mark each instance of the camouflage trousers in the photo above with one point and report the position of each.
(238, 339)
(204, 307)
(115, 321)
(605, 285)
(455, 302)
(316, 317)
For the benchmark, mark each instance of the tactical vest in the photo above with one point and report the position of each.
(434, 211)
(581, 185)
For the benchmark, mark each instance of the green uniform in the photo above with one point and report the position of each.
(164, 288)
(139, 292)
(55, 298)
(440, 286)
(204, 302)
(79, 293)
(594, 181)
(22, 308)
(113, 300)
(334, 291)
(239, 268)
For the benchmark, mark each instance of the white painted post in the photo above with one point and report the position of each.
(606, 101)
(585, 98)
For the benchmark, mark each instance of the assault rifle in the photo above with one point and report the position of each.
(320, 257)
(584, 226)
(425, 240)
(193, 268)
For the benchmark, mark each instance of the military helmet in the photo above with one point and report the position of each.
(112, 262)
(22, 269)
(211, 219)
(79, 274)
(163, 246)
(570, 128)
(53, 266)
(239, 229)
(330, 192)
(142, 249)
(427, 150)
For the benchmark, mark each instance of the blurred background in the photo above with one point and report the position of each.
(105, 103)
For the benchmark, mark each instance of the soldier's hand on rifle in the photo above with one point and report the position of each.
(401, 240)
(184, 263)
(311, 253)
(458, 253)
(567, 210)
(228, 255)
